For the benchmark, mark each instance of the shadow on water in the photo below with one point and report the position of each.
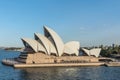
(56, 73)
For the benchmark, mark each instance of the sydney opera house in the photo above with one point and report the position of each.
(50, 49)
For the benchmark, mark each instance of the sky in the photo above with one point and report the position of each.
(91, 22)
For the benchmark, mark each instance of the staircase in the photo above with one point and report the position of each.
(22, 57)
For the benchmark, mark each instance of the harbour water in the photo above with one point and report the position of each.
(56, 73)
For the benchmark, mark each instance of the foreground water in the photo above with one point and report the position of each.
(56, 73)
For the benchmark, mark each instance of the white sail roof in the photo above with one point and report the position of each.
(95, 52)
(55, 39)
(72, 47)
(36, 46)
(86, 51)
(46, 44)
(51, 44)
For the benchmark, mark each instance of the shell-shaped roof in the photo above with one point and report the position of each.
(86, 51)
(51, 44)
(94, 51)
(55, 39)
(46, 43)
(72, 47)
(36, 46)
